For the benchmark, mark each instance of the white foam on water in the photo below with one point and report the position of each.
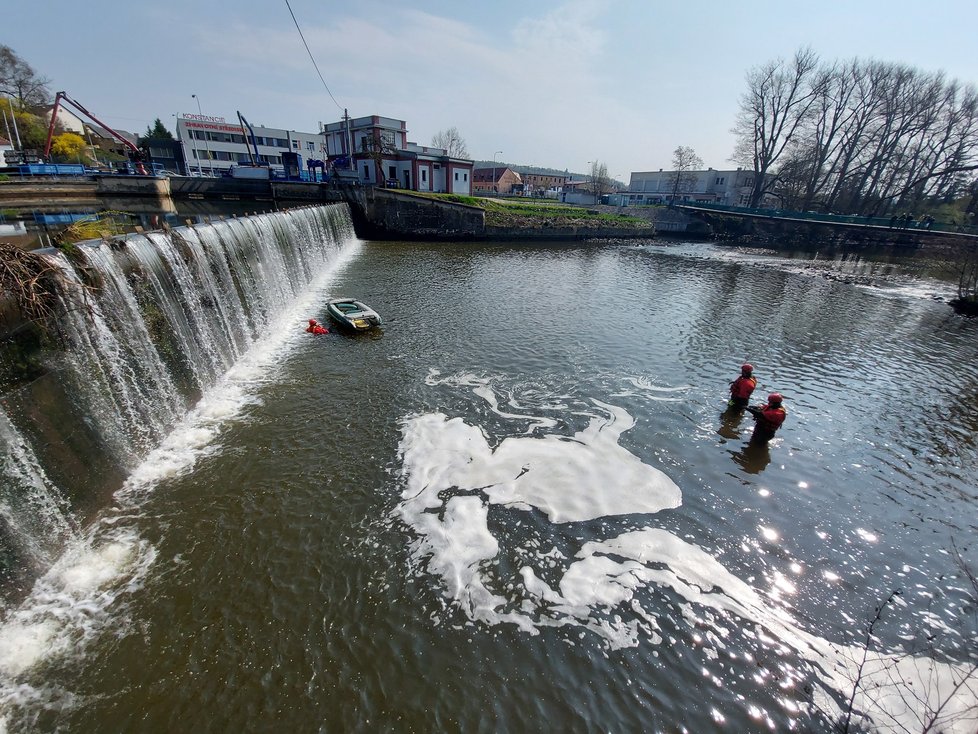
(484, 387)
(581, 477)
(77, 599)
(646, 388)
(453, 477)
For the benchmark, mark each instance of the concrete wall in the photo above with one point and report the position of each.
(392, 214)
(29, 193)
(132, 186)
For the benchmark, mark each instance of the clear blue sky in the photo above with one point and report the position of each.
(554, 84)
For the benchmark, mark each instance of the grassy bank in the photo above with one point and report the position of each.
(538, 212)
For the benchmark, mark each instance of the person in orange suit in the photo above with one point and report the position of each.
(768, 418)
(316, 328)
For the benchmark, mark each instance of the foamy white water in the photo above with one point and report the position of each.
(453, 477)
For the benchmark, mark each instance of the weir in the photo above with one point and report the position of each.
(145, 324)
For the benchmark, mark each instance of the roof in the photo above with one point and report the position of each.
(4, 141)
(482, 175)
(104, 133)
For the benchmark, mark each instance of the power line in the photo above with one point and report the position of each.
(310, 55)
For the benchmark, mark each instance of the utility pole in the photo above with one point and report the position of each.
(13, 117)
(349, 138)
(6, 124)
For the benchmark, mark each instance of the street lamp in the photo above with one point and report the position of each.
(494, 187)
(193, 147)
(206, 144)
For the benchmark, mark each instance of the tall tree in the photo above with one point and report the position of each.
(597, 180)
(860, 137)
(19, 81)
(684, 163)
(452, 141)
(158, 131)
(778, 101)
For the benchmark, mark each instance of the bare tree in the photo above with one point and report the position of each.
(19, 81)
(684, 163)
(861, 137)
(452, 141)
(376, 148)
(598, 181)
(905, 691)
(779, 98)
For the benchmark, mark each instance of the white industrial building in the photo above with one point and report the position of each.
(211, 145)
(731, 188)
(382, 154)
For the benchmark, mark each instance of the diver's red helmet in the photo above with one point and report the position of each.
(774, 397)
(746, 368)
(312, 322)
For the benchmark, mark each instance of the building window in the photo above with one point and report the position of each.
(465, 176)
(295, 144)
(424, 175)
(456, 175)
(366, 172)
(311, 146)
(720, 181)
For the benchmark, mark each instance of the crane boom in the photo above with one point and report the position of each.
(137, 154)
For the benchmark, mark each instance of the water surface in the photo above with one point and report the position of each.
(519, 508)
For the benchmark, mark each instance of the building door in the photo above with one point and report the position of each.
(407, 180)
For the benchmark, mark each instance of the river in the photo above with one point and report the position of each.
(517, 507)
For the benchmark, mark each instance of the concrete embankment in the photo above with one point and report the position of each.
(64, 192)
(376, 213)
(401, 215)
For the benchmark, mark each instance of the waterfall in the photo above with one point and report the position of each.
(147, 324)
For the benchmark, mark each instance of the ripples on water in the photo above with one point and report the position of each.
(518, 508)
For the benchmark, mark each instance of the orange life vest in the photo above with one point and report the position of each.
(771, 417)
(742, 387)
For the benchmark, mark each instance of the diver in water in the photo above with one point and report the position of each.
(316, 328)
(742, 387)
(768, 418)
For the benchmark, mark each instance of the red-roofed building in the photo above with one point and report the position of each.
(499, 180)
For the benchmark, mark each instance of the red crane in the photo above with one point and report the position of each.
(135, 154)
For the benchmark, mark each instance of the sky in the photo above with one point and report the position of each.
(555, 84)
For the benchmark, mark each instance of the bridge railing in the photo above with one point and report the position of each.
(893, 222)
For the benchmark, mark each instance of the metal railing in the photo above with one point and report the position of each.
(893, 222)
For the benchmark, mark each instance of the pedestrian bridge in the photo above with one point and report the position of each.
(757, 225)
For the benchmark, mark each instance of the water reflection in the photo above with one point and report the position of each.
(730, 420)
(753, 457)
